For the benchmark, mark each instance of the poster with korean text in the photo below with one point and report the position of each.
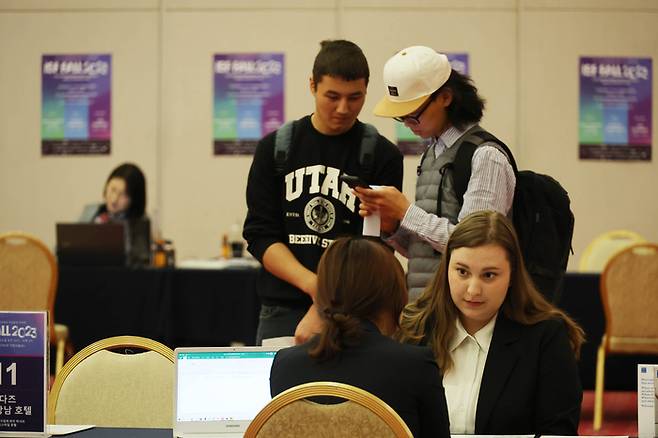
(76, 112)
(248, 100)
(615, 108)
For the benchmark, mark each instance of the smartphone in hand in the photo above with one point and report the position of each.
(353, 181)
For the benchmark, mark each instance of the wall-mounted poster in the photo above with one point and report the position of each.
(248, 100)
(76, 111)
(615, 108)
(408, 142)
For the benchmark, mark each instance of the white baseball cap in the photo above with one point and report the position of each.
(410, 77)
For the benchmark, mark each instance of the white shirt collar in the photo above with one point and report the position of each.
(482, 337)
(452, 134)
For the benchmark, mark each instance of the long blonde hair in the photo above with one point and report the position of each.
(431, 318)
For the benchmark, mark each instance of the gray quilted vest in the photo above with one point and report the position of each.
(423, 259)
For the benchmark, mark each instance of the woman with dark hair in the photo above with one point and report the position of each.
(124, 200)
(361, 293)
(508, 355)
(124, 196)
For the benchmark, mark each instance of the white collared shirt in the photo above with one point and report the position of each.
(462, 382)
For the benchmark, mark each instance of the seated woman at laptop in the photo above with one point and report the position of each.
(361, 292)
(124, 197)
(508, 355)
(124, 200)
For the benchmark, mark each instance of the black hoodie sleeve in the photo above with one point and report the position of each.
(263, 225)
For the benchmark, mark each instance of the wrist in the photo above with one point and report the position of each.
(309, 285)
(403, 212)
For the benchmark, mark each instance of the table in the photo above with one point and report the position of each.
(121, 432)
(178, 307)
(196, 307)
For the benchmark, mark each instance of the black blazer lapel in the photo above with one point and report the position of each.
(501, 359)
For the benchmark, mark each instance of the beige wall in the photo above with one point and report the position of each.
(523, 57)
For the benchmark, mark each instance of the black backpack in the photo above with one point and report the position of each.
(541, 212)
(283, 139)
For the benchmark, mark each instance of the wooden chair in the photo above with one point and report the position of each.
(28, 281)
(362, 415)
(109, 388)
(629, 294)
(603, 247)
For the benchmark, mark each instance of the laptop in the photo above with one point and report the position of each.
(219, 390)
(88, 244)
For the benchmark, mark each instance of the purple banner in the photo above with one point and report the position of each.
(615, 108)
(76, 116)
(248, 100)
(23, 373)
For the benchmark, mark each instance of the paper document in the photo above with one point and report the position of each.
(646, 400)
(490, 436)
(65, 429)
(281, 341)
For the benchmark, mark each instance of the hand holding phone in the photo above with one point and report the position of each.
(353, 181)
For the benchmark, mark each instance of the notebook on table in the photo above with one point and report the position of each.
(219, 390)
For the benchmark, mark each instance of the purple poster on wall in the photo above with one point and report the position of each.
(76, 104)
(615, 108)
(23, 373)
(248, 100)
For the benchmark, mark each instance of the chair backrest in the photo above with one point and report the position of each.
(362, 415)
(602, 248)
(28, 274)
(629, 293)
(112, 389)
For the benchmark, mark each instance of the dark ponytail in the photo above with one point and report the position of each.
(357, 279)
(340, 331)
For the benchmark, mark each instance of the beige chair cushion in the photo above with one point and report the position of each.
(343, 420)
(25, 275)
(629, 291)
(598, 252)
(118, 390)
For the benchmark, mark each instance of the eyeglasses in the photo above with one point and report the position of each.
(415, 120)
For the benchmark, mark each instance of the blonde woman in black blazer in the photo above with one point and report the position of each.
(527, 379)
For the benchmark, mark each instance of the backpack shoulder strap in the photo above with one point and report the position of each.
(282, 141)
(463, 159)
(367, 150)
(419, 168)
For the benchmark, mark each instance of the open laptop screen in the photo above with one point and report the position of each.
(83, 244)
(222, 386)
(111, 244)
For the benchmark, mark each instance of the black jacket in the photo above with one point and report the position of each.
(405, 376)
(530, 383)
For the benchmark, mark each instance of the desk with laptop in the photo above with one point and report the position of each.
(217, 392)
(125, 243)
(103, 293)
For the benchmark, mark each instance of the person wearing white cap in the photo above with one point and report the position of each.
(436, 102)
(298, 206)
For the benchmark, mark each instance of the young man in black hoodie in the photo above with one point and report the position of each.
(296, 211)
